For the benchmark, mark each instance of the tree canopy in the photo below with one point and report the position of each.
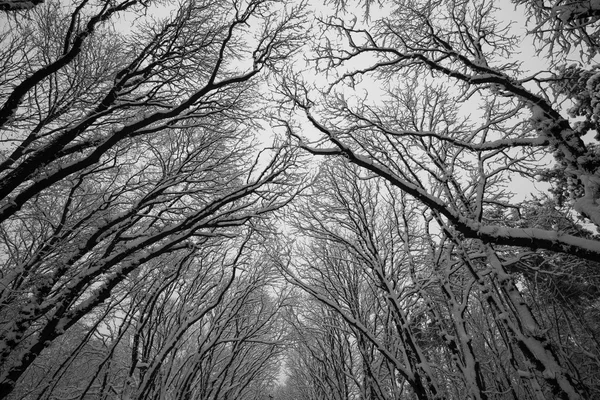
(283, 199)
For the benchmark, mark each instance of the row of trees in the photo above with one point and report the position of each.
(199, 324)
(129, 177)
(401, 311)
(434, 280)
(149, 232)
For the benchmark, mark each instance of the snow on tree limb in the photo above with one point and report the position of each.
(18, 5)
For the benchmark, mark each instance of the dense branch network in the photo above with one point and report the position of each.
(257, 199)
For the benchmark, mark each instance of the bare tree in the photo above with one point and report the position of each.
(443, 314)
(123, 151)
(563, 26)
(437, 62)
(322, 362)
(442, 113)
(202, 326)
(357, 265)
